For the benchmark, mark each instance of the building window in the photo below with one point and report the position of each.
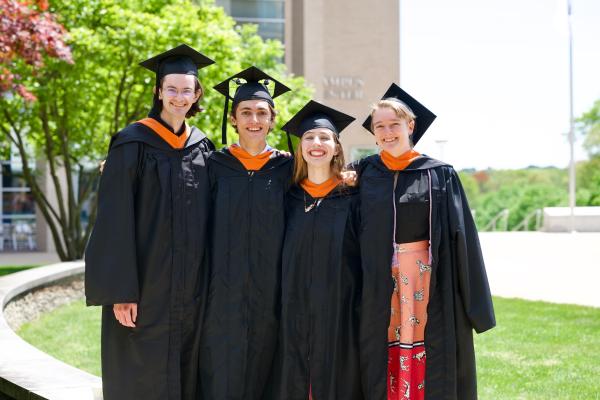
(17, 210)
(267, 14)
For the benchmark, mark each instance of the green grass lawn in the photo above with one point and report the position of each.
(540, 351)
(537, 351)
(9, 269)
(70, 333)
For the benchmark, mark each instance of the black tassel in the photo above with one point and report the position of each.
(224, 125)
(290, 146)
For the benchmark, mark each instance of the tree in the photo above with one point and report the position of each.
(588, 177)
(589, 124)
(27, 32)
(471, 186)
(519, 191)
(81, 105)
(588, 172)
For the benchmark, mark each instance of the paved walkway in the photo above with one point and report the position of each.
(555, 267)
(25, 371)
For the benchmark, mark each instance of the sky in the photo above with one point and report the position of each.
(496, 73)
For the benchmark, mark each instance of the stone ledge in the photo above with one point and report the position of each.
(27, 373)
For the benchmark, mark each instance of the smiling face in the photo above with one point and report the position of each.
(319, 147)
(253, 119)
(178, 93)
(391, 131)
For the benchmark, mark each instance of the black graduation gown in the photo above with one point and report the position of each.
(321, 291)
(459, 294)
(147, 247)
(241, 326)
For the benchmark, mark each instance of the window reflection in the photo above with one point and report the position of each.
(17, 203)
(267, 14)
(10, 179)
(257, 8)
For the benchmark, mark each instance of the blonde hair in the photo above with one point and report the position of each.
(402, 111)
(301, 167)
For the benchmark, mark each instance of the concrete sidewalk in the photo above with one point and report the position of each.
(555, 267)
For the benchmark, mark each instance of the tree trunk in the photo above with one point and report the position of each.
(60, 201)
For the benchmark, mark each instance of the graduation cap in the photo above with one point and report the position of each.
(179, 60)
(316, 115)
(252, 84)
(424, 117)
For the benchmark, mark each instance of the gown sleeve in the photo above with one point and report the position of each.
(111, 271)
(472, 278)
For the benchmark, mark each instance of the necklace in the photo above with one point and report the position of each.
(312, 205)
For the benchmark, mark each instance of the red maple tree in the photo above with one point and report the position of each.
(27, 32)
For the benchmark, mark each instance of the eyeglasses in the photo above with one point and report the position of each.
(173, 92)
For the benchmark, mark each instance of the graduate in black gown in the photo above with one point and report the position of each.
(248, 182)
(318, 351)
(146, 260)
(412, 204)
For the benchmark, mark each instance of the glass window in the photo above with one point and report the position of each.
(271, 30)
(257, 8)
(267, 14)
(17, 209)
(17, 203)
(11, 179)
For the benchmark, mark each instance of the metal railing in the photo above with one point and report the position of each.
(524, 224)
(499, 222)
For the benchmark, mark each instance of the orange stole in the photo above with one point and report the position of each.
(250, 162)
(401, 162)
(321, 189)
(176, 142)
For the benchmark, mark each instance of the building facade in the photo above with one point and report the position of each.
(17, 209)
(349, 50)
(267, 14)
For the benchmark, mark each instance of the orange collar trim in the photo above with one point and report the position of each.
(250, 162)
(322, 189)
(401, 162)
(176, 142)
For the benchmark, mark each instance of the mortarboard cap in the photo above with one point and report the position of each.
(251, 84)
(179, 60)
(424, 117)
(316, 115)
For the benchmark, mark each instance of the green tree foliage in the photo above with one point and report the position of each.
(588, 182)
(590, 125)
(470, 185)
(588, 172)
(81, 105)
(521, 192)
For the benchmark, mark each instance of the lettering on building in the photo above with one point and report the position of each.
(343, 87)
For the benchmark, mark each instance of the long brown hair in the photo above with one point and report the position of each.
(301, 167)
